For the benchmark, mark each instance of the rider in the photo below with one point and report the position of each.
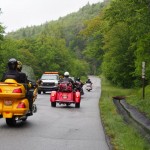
(23, 75)
(67, 79)
(25, 80)
(88, 81)
(79, 85)
(78, 80)
(12, 72)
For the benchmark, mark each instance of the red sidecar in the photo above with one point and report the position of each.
(65, 95)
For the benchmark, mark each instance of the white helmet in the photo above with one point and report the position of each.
(66, 74)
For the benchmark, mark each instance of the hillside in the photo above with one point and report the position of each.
(71, 22)
(45, 46)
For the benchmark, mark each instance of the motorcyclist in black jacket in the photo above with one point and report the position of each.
(67, 79)
(25, 80)
(88, 81)
(14, 72)
(79, 85)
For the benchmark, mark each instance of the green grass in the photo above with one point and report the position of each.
(123, 136)
(136, 99)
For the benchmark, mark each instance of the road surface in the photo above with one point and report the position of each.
(60, 128)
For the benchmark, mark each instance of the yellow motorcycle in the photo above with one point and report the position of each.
(14, 105)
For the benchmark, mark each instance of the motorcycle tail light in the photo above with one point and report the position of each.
(52, 94)
(21, 105)
(19, 90)
(0, 90)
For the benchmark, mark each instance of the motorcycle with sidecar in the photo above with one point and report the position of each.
(65, 95)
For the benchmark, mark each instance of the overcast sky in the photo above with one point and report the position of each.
(22, 13)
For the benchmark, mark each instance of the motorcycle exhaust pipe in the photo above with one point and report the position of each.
(20, 118)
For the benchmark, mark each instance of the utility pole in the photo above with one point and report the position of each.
(143, 78)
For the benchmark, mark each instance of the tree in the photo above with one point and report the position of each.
(127, 32)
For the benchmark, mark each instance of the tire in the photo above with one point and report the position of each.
(77, 105)
(53, 104)
(10, 121)
(24, 119)
(39, 92)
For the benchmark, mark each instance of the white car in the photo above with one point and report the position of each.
(48, 82)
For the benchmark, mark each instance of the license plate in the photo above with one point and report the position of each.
(65, 96)
(8, 102)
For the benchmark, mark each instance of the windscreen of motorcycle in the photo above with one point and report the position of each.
(29, 72)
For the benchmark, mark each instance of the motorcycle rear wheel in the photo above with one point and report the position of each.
(10, 121)
(77, 105)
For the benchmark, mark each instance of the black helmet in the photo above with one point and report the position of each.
(19, 65)
(78, 79)
(12, 64)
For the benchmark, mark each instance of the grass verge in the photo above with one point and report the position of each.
(122, 135)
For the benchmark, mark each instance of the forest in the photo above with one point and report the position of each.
(109, 38)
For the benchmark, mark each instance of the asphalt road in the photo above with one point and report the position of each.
(60, 128)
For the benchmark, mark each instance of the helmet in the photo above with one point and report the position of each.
(66, 74)
(19, 65)
(12, 64)
(78, 79)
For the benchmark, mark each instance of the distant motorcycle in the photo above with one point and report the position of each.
(88, 87)
(79, 87)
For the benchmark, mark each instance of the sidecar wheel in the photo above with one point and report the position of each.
(53, 104)
(10, 121)
(77, 105)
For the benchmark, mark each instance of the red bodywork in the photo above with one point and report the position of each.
(65, 98)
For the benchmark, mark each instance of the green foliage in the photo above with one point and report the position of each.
(55, 45)
(122, 135)
(125, 41)
(136, 99)
(93, 52)
(8, 50)
(1, 40)
(118, 59)
(110, 38)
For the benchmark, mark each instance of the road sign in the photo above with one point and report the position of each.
(143, 69)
